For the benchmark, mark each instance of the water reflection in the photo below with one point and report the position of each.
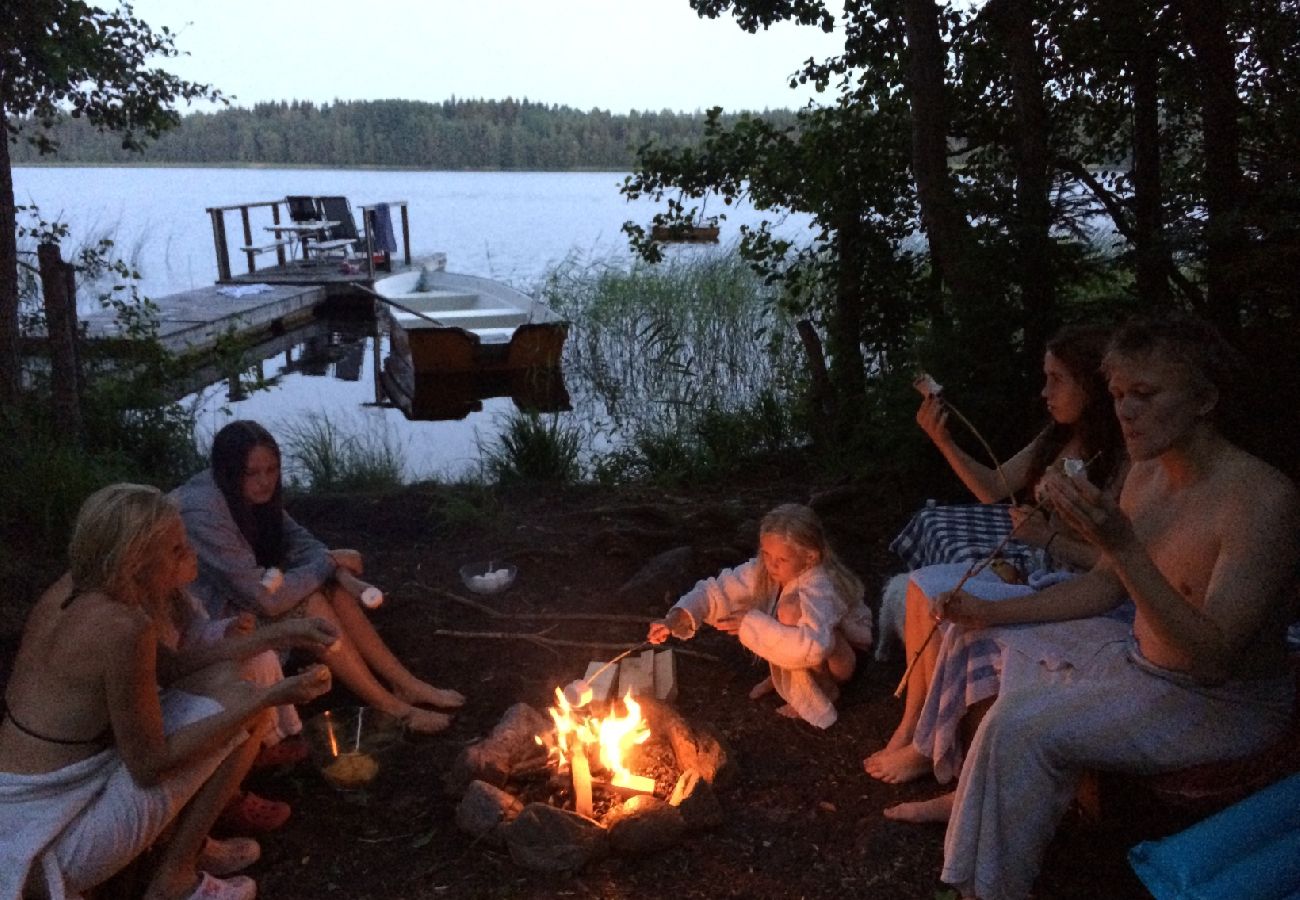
(332, 369)
(455, 395)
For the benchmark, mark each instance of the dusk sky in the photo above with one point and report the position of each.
(612, 54)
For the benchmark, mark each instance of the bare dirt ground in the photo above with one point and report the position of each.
(801, 817)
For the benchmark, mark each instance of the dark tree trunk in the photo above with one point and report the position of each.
(1205, 23)
(848, 370)
(1013, 21)
(10, 367)
(952, 246)
(59, 287)
(1153, 263)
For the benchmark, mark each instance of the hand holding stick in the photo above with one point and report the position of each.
(970, 573)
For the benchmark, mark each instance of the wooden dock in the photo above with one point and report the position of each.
(195, 321)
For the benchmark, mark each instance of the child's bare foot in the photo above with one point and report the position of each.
(762, 689)
(785, 709)
(936, 809)
(420, 692)
(424, 721)
(897, 766)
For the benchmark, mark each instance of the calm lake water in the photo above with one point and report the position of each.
(511, 226)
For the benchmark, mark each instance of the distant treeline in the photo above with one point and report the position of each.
(454, 134)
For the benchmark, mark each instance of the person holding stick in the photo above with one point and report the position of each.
(1082, 428)
(1205, 541)
(795, 605)
(254, 557)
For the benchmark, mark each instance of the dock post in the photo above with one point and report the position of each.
(58, 284)
(219, 239)
(406, 235)
(248, 239)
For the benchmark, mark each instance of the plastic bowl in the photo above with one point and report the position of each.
(489, 577)
(347, 744)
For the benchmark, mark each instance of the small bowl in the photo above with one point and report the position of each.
(488, 578)
(347, 744)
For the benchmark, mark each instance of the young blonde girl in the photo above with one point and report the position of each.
(795, 605)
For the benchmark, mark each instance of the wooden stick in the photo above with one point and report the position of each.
(974, 570)
(997, 466)
(564, 617)
(537, 638)
(393, 303)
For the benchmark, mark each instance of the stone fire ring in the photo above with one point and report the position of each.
(546, 838)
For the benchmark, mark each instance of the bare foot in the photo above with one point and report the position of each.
(897, 766)
(936, 809)
(420, 692)
(785, 709)
(424, 721)
(762, 689)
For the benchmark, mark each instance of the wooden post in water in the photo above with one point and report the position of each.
(58, 284)
(406, 236)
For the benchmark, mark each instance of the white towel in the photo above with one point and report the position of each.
(244, 290)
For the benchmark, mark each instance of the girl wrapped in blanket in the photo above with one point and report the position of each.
(795, 605)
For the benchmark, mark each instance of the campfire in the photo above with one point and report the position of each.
(589, 776)
(579, 736)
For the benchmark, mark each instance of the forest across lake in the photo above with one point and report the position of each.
(455, 134)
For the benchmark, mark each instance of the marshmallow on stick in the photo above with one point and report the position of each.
(369, 595)
(927, 385)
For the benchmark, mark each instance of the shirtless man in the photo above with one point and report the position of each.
(1205, 540)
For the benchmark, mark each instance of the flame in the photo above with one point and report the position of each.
(613, 736)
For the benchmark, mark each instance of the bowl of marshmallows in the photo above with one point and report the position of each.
(488, 578)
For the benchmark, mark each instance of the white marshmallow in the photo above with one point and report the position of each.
(272, 578)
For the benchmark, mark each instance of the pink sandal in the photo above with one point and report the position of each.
(238, 888)
(226, 857)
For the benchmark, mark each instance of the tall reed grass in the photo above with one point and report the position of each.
(322, 454)
(678, 368)
(533, 447)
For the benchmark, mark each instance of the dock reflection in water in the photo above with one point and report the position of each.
(335, 368)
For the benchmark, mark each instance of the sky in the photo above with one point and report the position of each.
(616, 55)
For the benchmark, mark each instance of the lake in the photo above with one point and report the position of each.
(511, 226)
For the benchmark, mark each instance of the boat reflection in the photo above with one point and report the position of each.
(455, 395)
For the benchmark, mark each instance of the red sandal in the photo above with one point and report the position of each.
(288, 752)
(248, 812)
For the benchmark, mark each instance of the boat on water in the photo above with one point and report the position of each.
(685, 234)
(446, 322)
(457, 339)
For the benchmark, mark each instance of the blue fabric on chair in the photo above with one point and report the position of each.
(1250, 850)
(381, 220)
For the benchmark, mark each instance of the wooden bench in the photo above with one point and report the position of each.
(266, 248)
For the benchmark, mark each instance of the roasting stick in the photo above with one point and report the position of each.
(930, 388)
(574, 691)
(974, 570)
(970, 573)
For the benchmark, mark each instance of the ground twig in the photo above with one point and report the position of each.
(564, 616)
